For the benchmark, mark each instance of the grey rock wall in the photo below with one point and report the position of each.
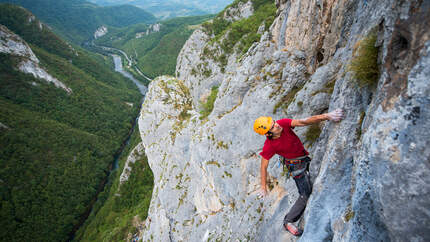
(370, 171)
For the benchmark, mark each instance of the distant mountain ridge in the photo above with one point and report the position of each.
(172, 8)
(77, 20)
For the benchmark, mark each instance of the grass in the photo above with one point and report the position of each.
(208, 106)
(349, 215)
(360, 122)
(184, 106)
(313, 133)
(221, 144)
(287, 99)
(242, 32)
(328, 87)
(364, 63)
(227, 174)
(213, 163)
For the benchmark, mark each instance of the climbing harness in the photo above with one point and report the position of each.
(294, 167)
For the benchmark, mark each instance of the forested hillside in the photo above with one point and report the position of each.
(155, 52)
(77, 20)
(56, 146)
(123, 205)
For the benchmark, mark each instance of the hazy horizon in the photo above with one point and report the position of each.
(164, 9)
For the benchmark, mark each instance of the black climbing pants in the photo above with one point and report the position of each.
(304, 186)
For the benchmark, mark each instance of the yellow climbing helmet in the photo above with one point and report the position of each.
(262, 125)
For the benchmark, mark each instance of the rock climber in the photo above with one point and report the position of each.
(281, 140)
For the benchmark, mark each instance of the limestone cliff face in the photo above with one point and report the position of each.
(12, 44)
(100, 32)
(370, 171)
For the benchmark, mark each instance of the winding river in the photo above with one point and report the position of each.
(118, 68)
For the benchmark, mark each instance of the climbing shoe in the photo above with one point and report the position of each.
(293, 229)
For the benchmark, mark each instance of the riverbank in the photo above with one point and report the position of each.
(130, 64)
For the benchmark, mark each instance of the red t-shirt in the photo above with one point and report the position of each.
(288, 145)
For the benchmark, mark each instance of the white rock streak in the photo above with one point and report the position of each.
(135, 154)
(3, 126)
(101, 31)
(12, 44)
(34, 69)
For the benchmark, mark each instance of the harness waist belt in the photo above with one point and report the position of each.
(297, 160)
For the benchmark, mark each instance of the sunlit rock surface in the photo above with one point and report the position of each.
(370, 171)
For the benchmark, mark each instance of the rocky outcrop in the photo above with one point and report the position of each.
(100, 32)
(2, 126)
(32, 18)
(12, 44)
(135, 154)
(370, 172)
(242, 10)
(152, 28)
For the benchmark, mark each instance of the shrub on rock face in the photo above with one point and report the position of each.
(244, 31)
(208, 106)
(364, 63)
(313, 133)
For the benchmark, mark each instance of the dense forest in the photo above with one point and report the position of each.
(77, 20)
(121, 207)
(56, 147)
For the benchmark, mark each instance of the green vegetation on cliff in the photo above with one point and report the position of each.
(243, 32)
(364, 64)
(58, 146)
(208, 106)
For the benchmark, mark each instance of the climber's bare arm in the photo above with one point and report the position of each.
(336, 116)
(263, 176)
(308, 121)
(263, 172)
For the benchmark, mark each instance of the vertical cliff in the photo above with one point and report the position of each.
(370, 171)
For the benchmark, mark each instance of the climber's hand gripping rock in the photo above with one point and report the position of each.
(335, 115)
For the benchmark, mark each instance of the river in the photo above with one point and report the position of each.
(118, 68)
